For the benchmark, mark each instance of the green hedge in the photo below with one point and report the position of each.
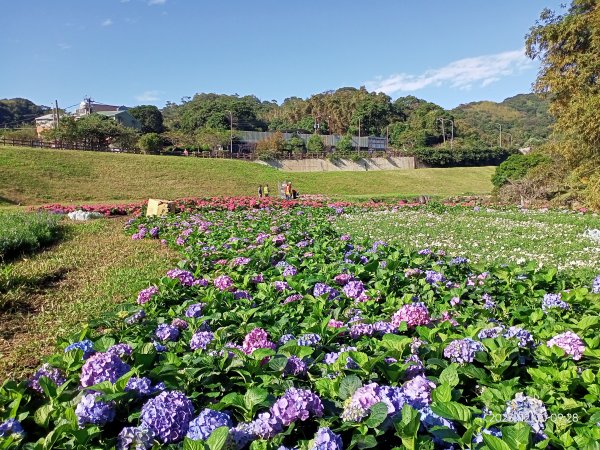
(456, 157)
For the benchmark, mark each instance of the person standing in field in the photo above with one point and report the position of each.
(288, 190)
(266, 190)
(260, 191)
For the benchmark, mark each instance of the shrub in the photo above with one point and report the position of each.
(315, 144)
(150, 142)
(461, 156)
(516, 167)
(344, 145)
(26, 232)
(271, 146)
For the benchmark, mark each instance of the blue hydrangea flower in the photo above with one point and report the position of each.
(166, 332)
(295, 366)
(325, 439)
(194, 311)
(296, 404)
(596, 285)
(86, 346)
(201, 339)
(141, 386)
(136, 317)
(526, 409)
(11, 427)
(207, 421)
(490, 333)
(93, 411)
(523, 336)
(553, 301)
(49, 372)
(309, 339)
(102, 367)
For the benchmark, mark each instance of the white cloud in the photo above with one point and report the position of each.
(64, 46)
(461, 74)
(107, 23)
(157, 2)
(148, 96)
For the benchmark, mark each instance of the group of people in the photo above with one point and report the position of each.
(286, 191)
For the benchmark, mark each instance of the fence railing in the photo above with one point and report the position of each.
(245, 155)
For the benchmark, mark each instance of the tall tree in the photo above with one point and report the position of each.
(568, 46)
(150, 117)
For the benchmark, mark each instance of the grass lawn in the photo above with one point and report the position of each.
(57, 291)
(548, 238)
(35, 176)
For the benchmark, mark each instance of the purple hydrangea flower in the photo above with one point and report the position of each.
(240, 261)
(179, 324)
(489, 303)
(414, 314)
(86, 346)
(201, 339)
(523, 336)
(463, 350)
(293, 298)
(433, 277)
(223, 283)
(49, 372)
(185, 277)
(166, 332)
(208, 421)
(168, 416)
(490, 333)
(285, 339)
(296, 404)
(478, 438)
(526, 409)
(11, 427)
(295, 366)
(142, 386)
(418, 391)
(265, 426)
(325, 439)
(425, 251)
(102, 367)
(241, 294)
(361, 329)
(570, 343)
(257, 338)
(383, 327)
(353, 289)
(93, 411)
(146, 294)
(121, 350)
(596, 285)
(281, 286)
(415, 367)
(553, 301)
(342, 279)
(335, 323)
(135, 438)
(323, 289)
(194, 311)
(357, 406)
(458, 260)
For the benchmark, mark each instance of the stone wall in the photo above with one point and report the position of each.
(326, 165)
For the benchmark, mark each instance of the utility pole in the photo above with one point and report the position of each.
(358, 144)
(387, 137)
(441, 119)
(57, 113)
(230, 132)
(452, 134)
(500, 138)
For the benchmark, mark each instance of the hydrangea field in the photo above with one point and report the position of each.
(277, 331)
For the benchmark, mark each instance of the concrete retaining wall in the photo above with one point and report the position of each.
(326, 165)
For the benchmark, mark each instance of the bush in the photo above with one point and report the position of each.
(344, 145)
(516, 167)
(26, 232)
(150, 142)
(315, 144)
(271, 146)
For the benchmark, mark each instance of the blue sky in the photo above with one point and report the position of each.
(151, 51)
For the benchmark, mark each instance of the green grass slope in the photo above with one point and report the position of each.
(35, 176)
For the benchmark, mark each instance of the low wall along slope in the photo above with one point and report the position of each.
(326, 165)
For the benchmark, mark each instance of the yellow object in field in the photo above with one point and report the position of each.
(158, 207)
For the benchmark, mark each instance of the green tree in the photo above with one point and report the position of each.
(150, 117)
(315, 144)
(344, 145)
(150, 142)
(295, 144)
(568, 46)
(271, 147)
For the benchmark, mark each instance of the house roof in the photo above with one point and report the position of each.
(46, 117)
(110, 113)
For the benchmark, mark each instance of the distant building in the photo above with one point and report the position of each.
(330, 140)
(117, 113)
(44, 122)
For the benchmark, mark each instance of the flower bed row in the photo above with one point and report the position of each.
(276, 332)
